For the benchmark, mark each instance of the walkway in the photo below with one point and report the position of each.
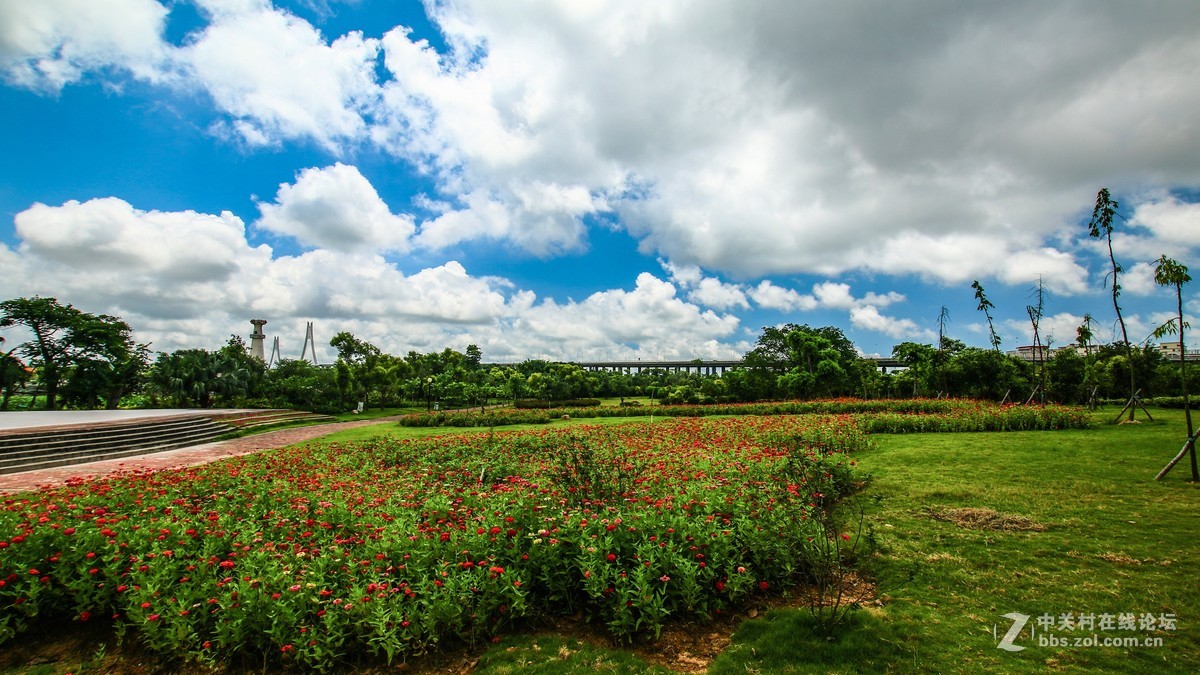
(171, 459)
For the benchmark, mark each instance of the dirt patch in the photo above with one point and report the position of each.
(984, 519)
(1118, 558)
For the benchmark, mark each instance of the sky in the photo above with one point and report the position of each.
(589, 179)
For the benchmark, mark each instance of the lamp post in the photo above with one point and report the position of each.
(428, 393)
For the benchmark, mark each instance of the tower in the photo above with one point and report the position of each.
(275, 355)
(309, 341)
(256, 339)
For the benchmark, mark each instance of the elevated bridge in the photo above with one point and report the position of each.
(700, 366)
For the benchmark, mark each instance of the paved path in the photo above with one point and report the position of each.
(15, 420)
(198, 454)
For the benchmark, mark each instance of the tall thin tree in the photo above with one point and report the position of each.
(986, 307)
(1168, 272)
(1036, 312)
(1083, 338)
(1101, 226)
(941, 355)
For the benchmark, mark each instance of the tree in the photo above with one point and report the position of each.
(12, 375)
(986, 306)
(815, 364)
(1101, 225)
(49, 351)
(1168, 272)
(474, 356)
(918, 358)
(351, 349)
(108, 363)
(1036, 312)
(789, 350)
(940, 357)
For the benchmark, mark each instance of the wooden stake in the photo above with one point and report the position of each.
(1191, 442)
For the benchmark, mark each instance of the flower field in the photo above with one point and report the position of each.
(880, 416)
(317, 556)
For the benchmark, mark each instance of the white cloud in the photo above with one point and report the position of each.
(868, 317)
(187, 279)
(778, 138)
(714, 293)
(278, 78)
(1138, 279)
(48, 44)
(1176, 224)
(336, 208)
(707, 291)
(650, 320)
(769, 296)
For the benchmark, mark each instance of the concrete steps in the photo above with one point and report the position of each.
(260, 419)
(44, 448)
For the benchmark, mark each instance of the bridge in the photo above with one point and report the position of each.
(700, 366)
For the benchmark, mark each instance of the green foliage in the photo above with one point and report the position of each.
(528, 403)
(93, 358)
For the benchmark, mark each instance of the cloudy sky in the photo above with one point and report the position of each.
(590, 179)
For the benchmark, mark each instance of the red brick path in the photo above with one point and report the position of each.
(199, 454)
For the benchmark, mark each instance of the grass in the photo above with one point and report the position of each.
(1114, 541)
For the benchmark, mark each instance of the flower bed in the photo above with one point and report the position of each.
(878, 416)
(313, 556)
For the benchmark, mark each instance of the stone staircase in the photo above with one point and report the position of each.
(262, 419)
(33, 449)
(43, 448)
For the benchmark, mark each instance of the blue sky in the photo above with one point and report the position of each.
(595, 180)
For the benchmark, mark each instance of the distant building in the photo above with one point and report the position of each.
(1031, 353)
(1169, 350)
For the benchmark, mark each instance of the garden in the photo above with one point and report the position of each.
(395, 549)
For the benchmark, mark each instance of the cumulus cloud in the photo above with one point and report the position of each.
(338, 209)
(187, 279)
(797, 150)
(738, 142)
(868, 317)
(770, 139)
(650, 319)
(769, 296)
(49, 44)
(707, 291)
(278, 78)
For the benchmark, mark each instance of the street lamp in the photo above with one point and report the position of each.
(428, 393)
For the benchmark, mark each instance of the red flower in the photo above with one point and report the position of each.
(612, 557)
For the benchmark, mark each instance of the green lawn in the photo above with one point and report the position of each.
(1114, 541)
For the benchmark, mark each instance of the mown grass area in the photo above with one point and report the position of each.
(1114, 541)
